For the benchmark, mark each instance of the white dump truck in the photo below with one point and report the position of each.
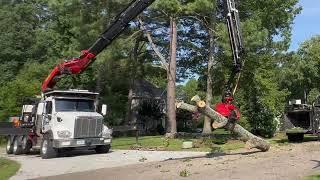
(59, 121)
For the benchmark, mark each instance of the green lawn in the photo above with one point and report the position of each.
(159, 142)
(8, 168)
(313, 177)
(174, 144)
(279, 139)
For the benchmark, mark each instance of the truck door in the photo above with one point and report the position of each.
(47, 116)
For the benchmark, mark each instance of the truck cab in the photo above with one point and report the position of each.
(64, 120)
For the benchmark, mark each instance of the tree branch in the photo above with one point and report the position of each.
(202, 21)
(153, 46)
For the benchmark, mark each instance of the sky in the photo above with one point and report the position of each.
(306, 24)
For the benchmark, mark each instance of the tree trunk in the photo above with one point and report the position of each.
(133, 75)
(98, 81)
(207, 121)
(171, 86)
(129, 105)
(251, 140)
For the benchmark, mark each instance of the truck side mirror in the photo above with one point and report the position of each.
(104, 110)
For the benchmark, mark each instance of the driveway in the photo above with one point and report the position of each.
(32, 166)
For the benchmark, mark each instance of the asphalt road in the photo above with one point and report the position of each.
(32, 166)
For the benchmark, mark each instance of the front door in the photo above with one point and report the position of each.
(47, 116)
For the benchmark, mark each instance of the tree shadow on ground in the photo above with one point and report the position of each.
(214, 154)
(71, 153)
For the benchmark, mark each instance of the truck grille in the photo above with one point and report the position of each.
(88, 127)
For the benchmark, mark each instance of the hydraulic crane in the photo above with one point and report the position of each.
(78, 65)
(227, 107)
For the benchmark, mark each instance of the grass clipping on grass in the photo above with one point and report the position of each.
(8, 168)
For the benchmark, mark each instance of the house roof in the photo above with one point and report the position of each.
(146, 90)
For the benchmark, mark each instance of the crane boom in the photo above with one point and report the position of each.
(119, 25)
(235, 39)
(235, 36)
(77, 65)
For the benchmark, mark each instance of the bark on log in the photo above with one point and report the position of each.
(251, 140)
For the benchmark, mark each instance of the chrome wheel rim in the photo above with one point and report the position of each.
(9, 144)
(44, 147)
(24, 143)
(15, 145)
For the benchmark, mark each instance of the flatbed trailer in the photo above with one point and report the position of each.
(7, 128)
(14, 131)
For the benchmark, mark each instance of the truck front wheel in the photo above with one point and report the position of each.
(9, 147)
(47, 151)
(102, 149)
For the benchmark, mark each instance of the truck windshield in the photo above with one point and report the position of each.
(83, 105)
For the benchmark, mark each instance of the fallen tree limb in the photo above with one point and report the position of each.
(251, 140)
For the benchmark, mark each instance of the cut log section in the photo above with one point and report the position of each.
(251, 140)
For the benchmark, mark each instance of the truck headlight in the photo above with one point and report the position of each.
(64, 134)
(106, 133)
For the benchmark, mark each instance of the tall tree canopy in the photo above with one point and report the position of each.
(35, 35)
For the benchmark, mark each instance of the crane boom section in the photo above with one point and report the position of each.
(118, 26)
(235, 37)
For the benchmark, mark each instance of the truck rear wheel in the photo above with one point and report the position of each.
(47, 151)
(9, 147)
(26, 145)
(102, 149)
(17, 149)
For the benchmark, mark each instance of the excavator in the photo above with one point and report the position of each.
(78, 65)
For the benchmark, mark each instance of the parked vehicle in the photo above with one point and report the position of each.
(59, 121)
(301, 119)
